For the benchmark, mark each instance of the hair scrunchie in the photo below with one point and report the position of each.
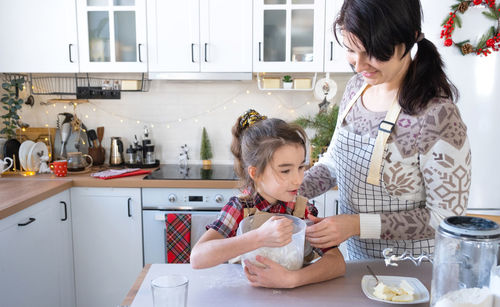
(249, 118)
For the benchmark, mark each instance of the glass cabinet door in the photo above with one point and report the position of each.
(113, 32)
(288, 35)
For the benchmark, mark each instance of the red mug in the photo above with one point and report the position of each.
(60, 167)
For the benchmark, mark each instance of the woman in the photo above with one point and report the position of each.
(400, 153)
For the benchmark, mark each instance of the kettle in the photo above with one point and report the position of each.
(116, 151)
(466, 250)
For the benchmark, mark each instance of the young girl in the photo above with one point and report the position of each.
(269, 160)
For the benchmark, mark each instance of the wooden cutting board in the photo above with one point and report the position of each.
(45, 135)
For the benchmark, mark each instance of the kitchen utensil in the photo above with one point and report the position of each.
(466, 249)
(100, 135)
(23, 154)
(3, 164)
(373, 274)
(11, 150)
(37, 151)
(59, 167)
(92, 137)
(65, 133)
(77, 162)
(291, 256)
(116, 151)
(368, 283)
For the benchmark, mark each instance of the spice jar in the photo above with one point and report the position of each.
(150, 154)
(130, 155)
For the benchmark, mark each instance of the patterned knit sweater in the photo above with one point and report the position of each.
(427, 159)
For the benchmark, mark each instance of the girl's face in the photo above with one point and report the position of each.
(282, 177)
(374, 71)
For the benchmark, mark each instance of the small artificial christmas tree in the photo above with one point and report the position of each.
(324, 123)
(206, 149)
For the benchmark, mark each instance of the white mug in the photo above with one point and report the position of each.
(3, 164)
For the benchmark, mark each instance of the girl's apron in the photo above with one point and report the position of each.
(361, 189)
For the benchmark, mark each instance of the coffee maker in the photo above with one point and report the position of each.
(116, 151)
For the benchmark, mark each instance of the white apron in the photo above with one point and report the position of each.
(352, 155)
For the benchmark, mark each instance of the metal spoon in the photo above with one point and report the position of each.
(373, 274)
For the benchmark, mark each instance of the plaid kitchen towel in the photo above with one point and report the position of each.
(178, 237)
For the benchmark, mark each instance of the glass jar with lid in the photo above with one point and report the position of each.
(150, 154)
(466, 249)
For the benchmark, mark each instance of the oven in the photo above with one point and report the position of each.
(203, 205)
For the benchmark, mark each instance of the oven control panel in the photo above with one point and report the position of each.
(186, 199)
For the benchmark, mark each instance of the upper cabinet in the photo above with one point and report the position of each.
(199, 36)
(38, 36)
(335, 60)
(288, 35)
(112, 35)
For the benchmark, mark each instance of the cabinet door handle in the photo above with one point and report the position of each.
(206, 44)
(140, 57)
(331, 51)
(69, 49)
(192, 53)
(128, 207)
(336, 207)
(65, 210)
(31, 220)
(260, 46)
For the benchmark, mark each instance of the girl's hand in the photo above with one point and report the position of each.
(272, 276)
(275, 232)
(332, 230)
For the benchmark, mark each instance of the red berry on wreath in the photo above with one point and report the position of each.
(477, 2)
(448, 42)
(490, 43)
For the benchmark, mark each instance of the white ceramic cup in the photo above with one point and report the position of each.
(4, 165)
(495, 284)
(170, 291)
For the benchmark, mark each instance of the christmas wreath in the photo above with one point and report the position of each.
(488, 42)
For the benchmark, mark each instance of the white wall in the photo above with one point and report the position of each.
(167, 101)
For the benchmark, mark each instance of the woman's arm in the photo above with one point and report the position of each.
(317, 180)
(330, 266)
(213, 248)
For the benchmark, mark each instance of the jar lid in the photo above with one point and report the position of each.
(130, 149)
(150, 148)
(470, 227)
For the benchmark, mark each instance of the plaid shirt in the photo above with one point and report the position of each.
(232, 213)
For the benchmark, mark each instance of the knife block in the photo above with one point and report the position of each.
(97, 154)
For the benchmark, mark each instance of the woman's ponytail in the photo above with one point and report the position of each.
(425, 80)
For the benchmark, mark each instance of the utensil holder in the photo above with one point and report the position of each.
(98, 154)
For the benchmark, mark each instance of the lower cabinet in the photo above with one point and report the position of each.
(107, 241)
(36, 256)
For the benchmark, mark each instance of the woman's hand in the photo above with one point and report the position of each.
(273, 275)
(275, 232)
(332, 230)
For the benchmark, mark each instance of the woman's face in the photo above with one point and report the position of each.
(283, 175)
(374, 71)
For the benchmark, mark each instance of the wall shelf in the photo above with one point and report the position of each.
(262, 76)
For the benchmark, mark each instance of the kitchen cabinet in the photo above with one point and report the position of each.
(36, 262)
(335, 54)
(112, 35)
(209, 36)
(288, 35)
(29, 39)
(107, 242)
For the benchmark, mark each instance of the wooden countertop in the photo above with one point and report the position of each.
(225, 284)
(18, 192)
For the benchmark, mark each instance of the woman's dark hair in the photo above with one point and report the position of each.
(381, 25)
(255, 145)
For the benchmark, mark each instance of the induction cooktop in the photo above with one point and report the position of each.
(193, 172)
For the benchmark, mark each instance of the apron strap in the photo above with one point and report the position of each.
(384, 130)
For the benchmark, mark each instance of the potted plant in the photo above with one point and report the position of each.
(287, 82)
(11, 104)
(324, 123)
(206, 150)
